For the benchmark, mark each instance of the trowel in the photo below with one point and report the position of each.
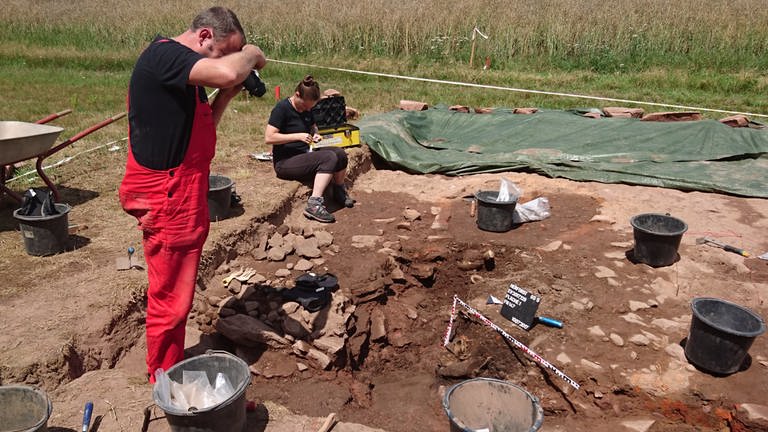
(712, 242)
(128, 262)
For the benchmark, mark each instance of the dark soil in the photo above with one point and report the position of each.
(397, 384)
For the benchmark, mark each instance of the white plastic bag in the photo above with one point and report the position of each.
(197, 389)
(533, 210)
(508, 191)
(178, 397)
(222, 389)
(162, 387)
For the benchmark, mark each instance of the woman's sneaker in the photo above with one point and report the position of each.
(317, 211)
(341, 196)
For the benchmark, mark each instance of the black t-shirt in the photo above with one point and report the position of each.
(161, 105)
(287, 120)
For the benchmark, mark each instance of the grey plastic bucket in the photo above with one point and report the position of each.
(491, 404)
(720, 335)
(493, 215)
(24, 409)
(657, 238)
(229, 415)
(45, 235)
(219, 197)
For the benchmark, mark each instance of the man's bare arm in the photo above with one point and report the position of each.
(228, 71)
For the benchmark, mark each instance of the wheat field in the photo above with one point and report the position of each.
(701, 53)
(571, 34)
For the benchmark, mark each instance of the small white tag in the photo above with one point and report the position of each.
(493, 300)
(327, 142)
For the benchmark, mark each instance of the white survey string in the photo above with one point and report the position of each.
(494, 87)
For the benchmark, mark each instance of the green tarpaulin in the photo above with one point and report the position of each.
(701, 155)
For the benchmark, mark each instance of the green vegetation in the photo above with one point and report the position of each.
(690, 52)
(572, 34)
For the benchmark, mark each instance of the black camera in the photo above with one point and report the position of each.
(254, 84)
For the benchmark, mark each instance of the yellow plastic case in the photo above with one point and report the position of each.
(345, 135)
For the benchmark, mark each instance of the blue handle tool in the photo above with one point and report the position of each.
(87, 416)
(551, 322)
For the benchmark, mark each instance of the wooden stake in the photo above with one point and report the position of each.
(475, 32)
(330, 421)
(472, 53)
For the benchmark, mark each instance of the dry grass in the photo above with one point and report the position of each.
(571, 33)
(690, 52)
(61, 55)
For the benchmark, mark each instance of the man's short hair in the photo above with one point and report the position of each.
(223, 21)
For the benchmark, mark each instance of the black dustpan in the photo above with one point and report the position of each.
(312, 282)
(309, 300)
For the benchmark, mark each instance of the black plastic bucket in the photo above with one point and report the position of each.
(493, 215)
(219, 197)
(721, 334)
(657, 238)
(45, 235)
(229, 415)
(24, 409)
(491, 404)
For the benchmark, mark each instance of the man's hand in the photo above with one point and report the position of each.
(254, 52)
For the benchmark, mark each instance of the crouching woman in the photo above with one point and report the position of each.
(291, 130)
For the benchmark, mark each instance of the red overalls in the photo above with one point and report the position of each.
(172, 209)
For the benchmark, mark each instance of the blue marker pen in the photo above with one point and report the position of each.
(551, 322)
(87, 416)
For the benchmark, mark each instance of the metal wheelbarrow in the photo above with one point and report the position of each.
(20, 141)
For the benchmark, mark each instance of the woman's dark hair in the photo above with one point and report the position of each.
(223, 21)
(308, 89)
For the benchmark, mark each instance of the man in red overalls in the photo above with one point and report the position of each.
(172, 133)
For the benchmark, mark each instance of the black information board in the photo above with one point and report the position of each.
(520, 306)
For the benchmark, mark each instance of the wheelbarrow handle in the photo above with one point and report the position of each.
(53, 116)
(41, 157)
(118, 116)
(85, 132)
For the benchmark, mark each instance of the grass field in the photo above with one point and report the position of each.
(690, 52)
(570, 34)
(703, 53)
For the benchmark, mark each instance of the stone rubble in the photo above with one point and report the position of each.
(254, 314)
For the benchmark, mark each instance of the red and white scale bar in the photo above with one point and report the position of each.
(514, 341)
